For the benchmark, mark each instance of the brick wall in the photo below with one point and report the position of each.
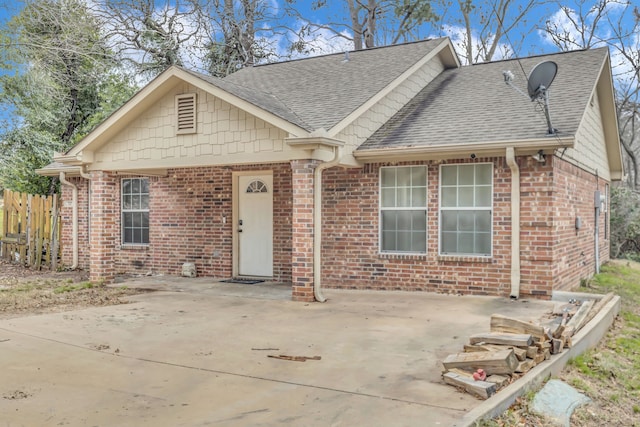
(104, 225)
(186, 224)
(536, 227)
(575, 249)
(83, 223)
(553, 256)
(351, 257)
(188, 206)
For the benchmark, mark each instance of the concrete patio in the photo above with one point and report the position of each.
(195, 353)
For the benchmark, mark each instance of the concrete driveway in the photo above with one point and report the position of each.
(196, 353)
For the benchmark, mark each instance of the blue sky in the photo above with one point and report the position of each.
(525, 40)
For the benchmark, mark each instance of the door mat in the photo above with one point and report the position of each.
(242, 281)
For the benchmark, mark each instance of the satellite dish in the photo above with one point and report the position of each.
(538, 84)
(541, 78)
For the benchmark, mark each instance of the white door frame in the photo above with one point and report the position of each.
(235, 208)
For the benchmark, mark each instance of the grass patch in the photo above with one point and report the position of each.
(608, 373)
(72, 288)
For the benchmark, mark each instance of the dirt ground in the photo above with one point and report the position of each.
(26, 291)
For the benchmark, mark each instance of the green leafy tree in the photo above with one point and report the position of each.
(60, 80)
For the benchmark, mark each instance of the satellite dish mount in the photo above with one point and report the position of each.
(538, 84)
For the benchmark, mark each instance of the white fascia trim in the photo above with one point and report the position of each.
(314, 142)
(443, 150)
(124, 110)
(342, 124)
(68, 170)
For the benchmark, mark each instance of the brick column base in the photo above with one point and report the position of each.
(302, 230)
(105, 208)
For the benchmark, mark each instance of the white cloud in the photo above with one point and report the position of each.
(562, 23)
(318, 42)
(458, 36)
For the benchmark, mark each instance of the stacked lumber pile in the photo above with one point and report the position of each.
(512, 347)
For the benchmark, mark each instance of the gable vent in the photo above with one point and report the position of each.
(186, 113)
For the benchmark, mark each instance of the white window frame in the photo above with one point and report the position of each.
(382, 208)
(124, 211)
(442, 209)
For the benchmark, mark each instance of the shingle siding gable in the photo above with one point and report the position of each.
(363, 127)
(322, 91)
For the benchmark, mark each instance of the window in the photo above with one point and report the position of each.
(257, 186)
(135, 211)
(466, 194)
(403, 209)
(186, 113)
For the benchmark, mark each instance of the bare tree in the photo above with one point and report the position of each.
(153, 35)
(481, 30)
(616, 24)
(369, 23)
(237, 37)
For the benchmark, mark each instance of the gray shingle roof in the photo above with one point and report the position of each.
(318, 92)
(473, 104)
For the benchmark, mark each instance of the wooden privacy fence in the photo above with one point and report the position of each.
(31, 229)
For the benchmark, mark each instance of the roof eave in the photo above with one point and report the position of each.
(606, 95)
(55, 171)
(446, 151)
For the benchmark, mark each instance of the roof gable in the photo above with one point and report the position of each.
(472, 104)
(300, 96)
(324, 90)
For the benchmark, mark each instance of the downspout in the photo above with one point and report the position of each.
(74, 219)
(596, 249)
(317, 223)
(515, 222)
(87, 176)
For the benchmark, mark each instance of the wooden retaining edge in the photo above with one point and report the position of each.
(586, 338)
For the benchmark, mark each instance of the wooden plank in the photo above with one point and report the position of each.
(538, 358)
(5, 219)
(24, 223)
(525, 366)
(53, 245)
(598, 306)
(520, 353)
(500, 323)
(532, 351)
(482, 389)
(493, 362)
(518, 340)
(543, 345)
(556, 346)
(39, 238)
(499, 380)
(577, 321)
(561, 308)
(294, 358)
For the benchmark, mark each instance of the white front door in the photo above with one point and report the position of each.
(255, 225)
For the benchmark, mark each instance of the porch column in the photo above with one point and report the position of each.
(302, 229)
(104, 230)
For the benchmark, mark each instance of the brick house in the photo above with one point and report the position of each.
(393, 168)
